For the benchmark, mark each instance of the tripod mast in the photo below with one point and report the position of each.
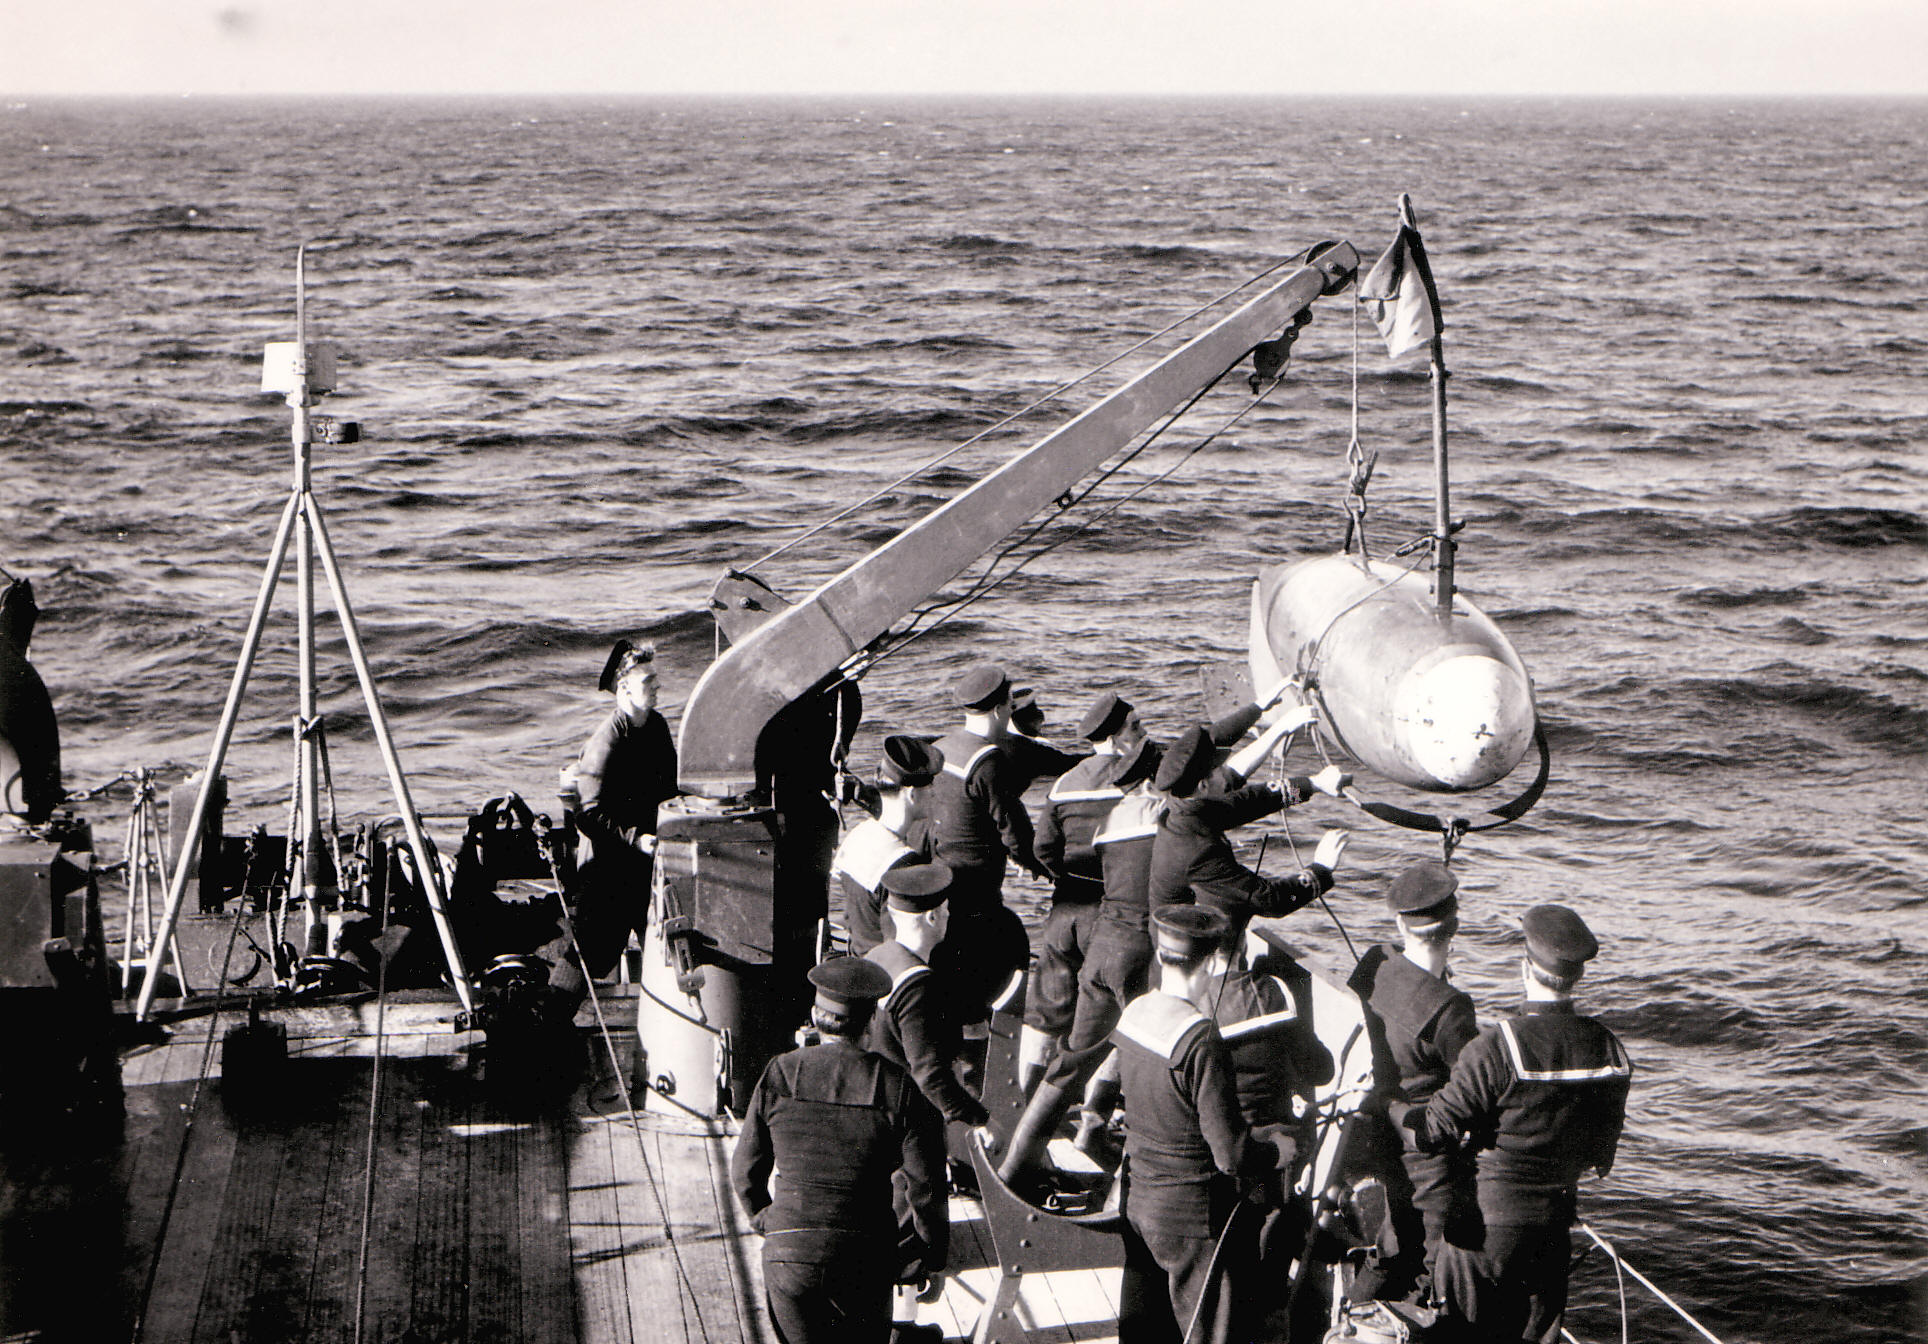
(303, 370)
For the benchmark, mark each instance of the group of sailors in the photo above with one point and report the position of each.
(1142, 996)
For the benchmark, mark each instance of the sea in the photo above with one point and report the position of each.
(602, 351)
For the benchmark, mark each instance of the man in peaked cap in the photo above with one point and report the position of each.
(858, 1155)
(978, 823)
(1543, 1097)
(1185, 1145)
(1418, 1025)
(627, 770)
(897, 835)
(918, 1026)
(977, 814)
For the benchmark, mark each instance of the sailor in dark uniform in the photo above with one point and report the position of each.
(1035, 758)
(1076, 806)
(1115, 971)
(1276, 1058)
(916, 1026)
(844, 1129)
(978, 823)
(1193, 860)
(30, 783)
(1185, 1147)
(627, 770)
(1418, 1024)
(1540, 1098)
(897, 835)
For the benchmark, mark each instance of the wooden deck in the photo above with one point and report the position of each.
(464, 1220)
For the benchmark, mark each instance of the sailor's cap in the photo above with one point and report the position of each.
(1139, 766)
(844, 982)
(1558, 940)
(622, 657)
(917, 886)
(1425, 889)
(980, 686)
(1025, 714)
(1104, 718)
(1186, 761)
(908, 762)
(1188, 931)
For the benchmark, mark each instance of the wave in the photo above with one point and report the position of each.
(1721, 599)
(1635, 528)
(978, 244)
(44, 408)
(1853, 528)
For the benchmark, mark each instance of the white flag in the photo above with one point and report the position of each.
(1398, 291)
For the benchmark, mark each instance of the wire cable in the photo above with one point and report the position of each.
(1019, 414)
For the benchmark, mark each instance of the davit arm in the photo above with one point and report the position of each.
(795, 650)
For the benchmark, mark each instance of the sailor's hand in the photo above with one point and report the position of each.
(1332, 781)
(930, 1287)
(1331, 846)
(1295, 718)
(985, 1139)
(1277, 693)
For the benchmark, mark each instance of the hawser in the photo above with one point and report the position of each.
(405, 1138)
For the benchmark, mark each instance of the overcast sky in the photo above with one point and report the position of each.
(964, 46)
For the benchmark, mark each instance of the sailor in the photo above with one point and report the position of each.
(1185, 1146)
(1276, 1058)
(1418, 1024)
(1035, 758)
(859, 1201)
(1115, 972)
(30, 784)
(627, 770)
(897, 835)
(1072, 811)
(1539, 1099)
(917, 1026)
(978, 823)
(1193, 860)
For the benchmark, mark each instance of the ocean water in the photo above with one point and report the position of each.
(603, 350)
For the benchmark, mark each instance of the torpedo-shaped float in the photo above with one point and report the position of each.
(1419, 697)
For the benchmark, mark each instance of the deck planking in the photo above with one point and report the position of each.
(581, 1224)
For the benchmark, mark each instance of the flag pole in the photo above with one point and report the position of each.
(1443, 543)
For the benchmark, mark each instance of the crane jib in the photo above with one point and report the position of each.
(788, 655)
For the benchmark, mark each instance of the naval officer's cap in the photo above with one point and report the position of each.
(844, 983)
(1423, 891)
(1188, 931)
(1557, 940)
(1104, 718)
(917, 886)
(980, 687)
(622, 657)
(908, 762)
(1186, 761)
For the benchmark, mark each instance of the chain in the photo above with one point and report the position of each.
(1359, 463)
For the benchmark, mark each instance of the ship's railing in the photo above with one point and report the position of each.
(1620, 1269)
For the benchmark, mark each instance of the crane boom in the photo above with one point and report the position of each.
(794, 651)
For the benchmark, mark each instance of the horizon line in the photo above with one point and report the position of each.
(13, 100)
